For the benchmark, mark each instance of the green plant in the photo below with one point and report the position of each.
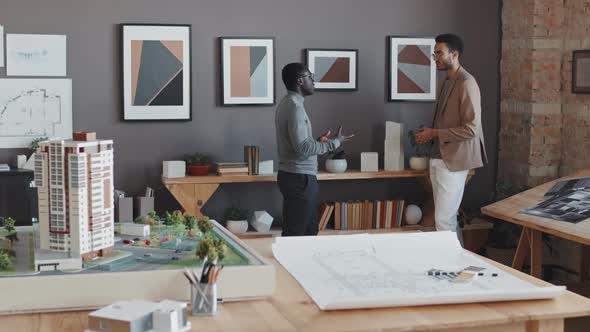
(337, 154)
(197, 159)
(190, 221)
(34, 145)
(204, 224)
(420, 150)
(234, 213)
(5, 262)
(174, 218)
(151, 219)
(12, 236)
(9, 225)
(209, 247)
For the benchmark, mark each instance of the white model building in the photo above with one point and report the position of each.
(140, 316)
(393, 146)
(74, 180)
(134, 229)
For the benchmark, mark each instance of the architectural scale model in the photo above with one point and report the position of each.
(74, 180)
(140, 316)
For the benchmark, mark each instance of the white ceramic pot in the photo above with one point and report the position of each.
(237, 226)
(336, 165)
(419, 163)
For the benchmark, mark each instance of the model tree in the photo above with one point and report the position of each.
(173, 219)
(5, 262)
(9, 227)
(190, 221)
(210, 248)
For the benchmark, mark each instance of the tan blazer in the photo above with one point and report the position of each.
(460, 135)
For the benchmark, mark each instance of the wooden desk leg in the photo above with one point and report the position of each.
(202, 194)
(546, 325)
(536, 239)
(585, 263)
(192, 197)
(522, 250)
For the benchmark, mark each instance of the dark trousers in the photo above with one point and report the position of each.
(300, 203)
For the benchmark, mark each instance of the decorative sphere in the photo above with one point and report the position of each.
(413, 214)
(336, 165)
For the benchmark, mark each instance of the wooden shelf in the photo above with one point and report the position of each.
(348, 175)
(193, 192)
(277, 231)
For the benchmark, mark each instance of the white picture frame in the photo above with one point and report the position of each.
(333, 69)
(412, 71)
(245, 81)
(36, 55)
(157, 72)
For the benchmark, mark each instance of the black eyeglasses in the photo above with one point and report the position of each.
(310, 76)
(438, 54)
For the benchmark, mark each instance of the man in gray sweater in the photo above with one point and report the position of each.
(298, 150)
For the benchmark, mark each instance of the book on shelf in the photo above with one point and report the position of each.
(358, 215)
(251, 158)
(4, 167)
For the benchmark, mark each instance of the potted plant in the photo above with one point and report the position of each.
(336, 162)
(236, 220)
(33, 146)
(421, 153)
(197, 164)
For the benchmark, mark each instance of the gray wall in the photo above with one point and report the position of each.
(94, 59)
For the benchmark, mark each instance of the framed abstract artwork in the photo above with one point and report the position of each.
(156, 65)
(333, 69)
(581, 71)
(412, 71)
(247, 71)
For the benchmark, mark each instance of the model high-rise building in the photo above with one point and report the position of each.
(74, 180)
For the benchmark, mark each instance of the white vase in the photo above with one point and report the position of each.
(419, 163)
(237, 226)
(336, 165)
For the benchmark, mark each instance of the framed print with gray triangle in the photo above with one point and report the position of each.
(412, 71)
(156, 65)
(247, 71)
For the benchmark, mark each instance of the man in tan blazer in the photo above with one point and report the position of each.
(457, 135)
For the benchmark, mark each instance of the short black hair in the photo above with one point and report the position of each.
(292, 72)
(454, 42)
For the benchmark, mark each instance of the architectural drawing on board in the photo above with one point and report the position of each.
(74, 181)
(35, 55)
(360, 271)
(31, 108)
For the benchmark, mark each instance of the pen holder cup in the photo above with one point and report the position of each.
(203, 299)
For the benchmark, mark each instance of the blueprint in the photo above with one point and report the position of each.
(31, 108)
(384, 270)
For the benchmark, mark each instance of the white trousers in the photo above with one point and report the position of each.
(447, 190)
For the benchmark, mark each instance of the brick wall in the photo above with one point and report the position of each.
(545, 129)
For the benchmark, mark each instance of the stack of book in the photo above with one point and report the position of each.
(251, 157)
(232, 169)
(354, 215)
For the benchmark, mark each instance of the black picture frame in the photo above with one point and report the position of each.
(161, 98)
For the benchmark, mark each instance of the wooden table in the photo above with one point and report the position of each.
(533, 226)
(192, 192)
(291, 309)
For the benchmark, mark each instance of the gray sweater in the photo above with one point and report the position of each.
(297, 147)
